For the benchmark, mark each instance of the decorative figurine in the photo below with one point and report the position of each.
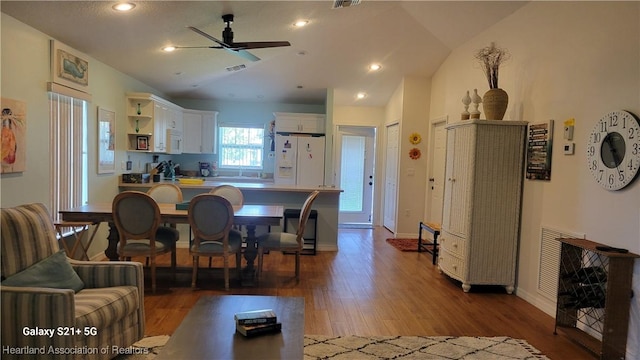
(466, 100)
(476, 99)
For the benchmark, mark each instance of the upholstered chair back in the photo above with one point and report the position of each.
(28, 236)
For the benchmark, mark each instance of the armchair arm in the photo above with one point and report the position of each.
(99, 274)
(32, 307)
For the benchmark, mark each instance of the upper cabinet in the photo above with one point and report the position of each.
(300, 123)
(153, 124)
(200, 128)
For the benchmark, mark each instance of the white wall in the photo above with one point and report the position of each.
(25, 73)
(569, 60)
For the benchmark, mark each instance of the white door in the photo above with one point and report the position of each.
(435, 186)
(391, 177)
(355, 149)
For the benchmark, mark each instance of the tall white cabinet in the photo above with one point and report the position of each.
(482, 202)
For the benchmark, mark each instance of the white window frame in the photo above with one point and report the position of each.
(223, 165)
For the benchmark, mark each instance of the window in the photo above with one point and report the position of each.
(241, 147)
(69, 176)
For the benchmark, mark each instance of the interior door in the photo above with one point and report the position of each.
(436, 180)
(356, 173)
(391, 177)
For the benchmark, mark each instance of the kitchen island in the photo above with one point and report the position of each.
(264, 192)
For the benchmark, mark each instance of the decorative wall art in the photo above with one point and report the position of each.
(67, 68)
(14, 130)
(106, 141)
(415, 154)
(142, 143)
(539, 151)
(415, 138)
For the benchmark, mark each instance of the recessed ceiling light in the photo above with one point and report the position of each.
(361, 95)
(301, 23)
(125, 6)
(169, 48)
(375, 67)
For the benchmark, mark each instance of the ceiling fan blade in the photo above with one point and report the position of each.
(198, 47)
(259, 44)
(221, 43)
(243, 54)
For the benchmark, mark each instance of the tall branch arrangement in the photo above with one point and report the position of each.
(490, 58)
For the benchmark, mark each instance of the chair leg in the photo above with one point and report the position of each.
(239, 264)
(298, 265)
(153, 274)
(260, 255)
(173, 261)
(226, 272)
(194, 276)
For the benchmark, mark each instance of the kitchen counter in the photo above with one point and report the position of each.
(327, 204)
(207, 185)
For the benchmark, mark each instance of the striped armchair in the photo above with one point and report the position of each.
(108, 309)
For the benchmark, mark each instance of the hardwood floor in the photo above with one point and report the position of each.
(369, 288)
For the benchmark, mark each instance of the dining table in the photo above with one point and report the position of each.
(247, 215)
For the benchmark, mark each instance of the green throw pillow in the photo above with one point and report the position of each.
(53, 272)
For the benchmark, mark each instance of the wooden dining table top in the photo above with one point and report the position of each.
(248, 214)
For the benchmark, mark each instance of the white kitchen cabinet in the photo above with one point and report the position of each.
(157, 119)
(299, 123)
(199, 131)
(481, 219)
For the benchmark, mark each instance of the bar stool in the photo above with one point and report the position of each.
(310, 243)
(78, 230)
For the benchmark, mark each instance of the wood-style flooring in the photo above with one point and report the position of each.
(367, 288)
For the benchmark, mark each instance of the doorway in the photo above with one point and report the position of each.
(356, 151)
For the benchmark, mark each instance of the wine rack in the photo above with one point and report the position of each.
(594, 295)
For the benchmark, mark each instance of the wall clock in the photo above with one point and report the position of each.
(613, 150)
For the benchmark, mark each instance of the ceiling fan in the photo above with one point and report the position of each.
(236, 48)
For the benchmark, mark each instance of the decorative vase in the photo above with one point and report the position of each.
(139, 111)
(494, 103)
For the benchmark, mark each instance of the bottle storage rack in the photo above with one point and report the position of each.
(594, 295)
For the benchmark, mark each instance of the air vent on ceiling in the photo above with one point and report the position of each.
(344, 3)
(236, 68)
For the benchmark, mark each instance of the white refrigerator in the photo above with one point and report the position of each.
(299, 160)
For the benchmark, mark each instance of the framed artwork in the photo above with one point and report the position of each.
(142, 143)
(68, 67)
(539, 149)
(14, 140)
(106, 141)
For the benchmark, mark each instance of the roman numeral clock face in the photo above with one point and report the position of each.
(613, 150)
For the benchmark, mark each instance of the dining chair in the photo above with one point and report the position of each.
(235, 197)
(137, 218)
(211, 218)
(166, 193)
(229, 192)
(286, 242)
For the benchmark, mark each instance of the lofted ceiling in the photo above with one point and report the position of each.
(408, 38)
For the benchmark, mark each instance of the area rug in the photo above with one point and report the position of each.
(404, 244)
(318, 347)
(321, 347)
